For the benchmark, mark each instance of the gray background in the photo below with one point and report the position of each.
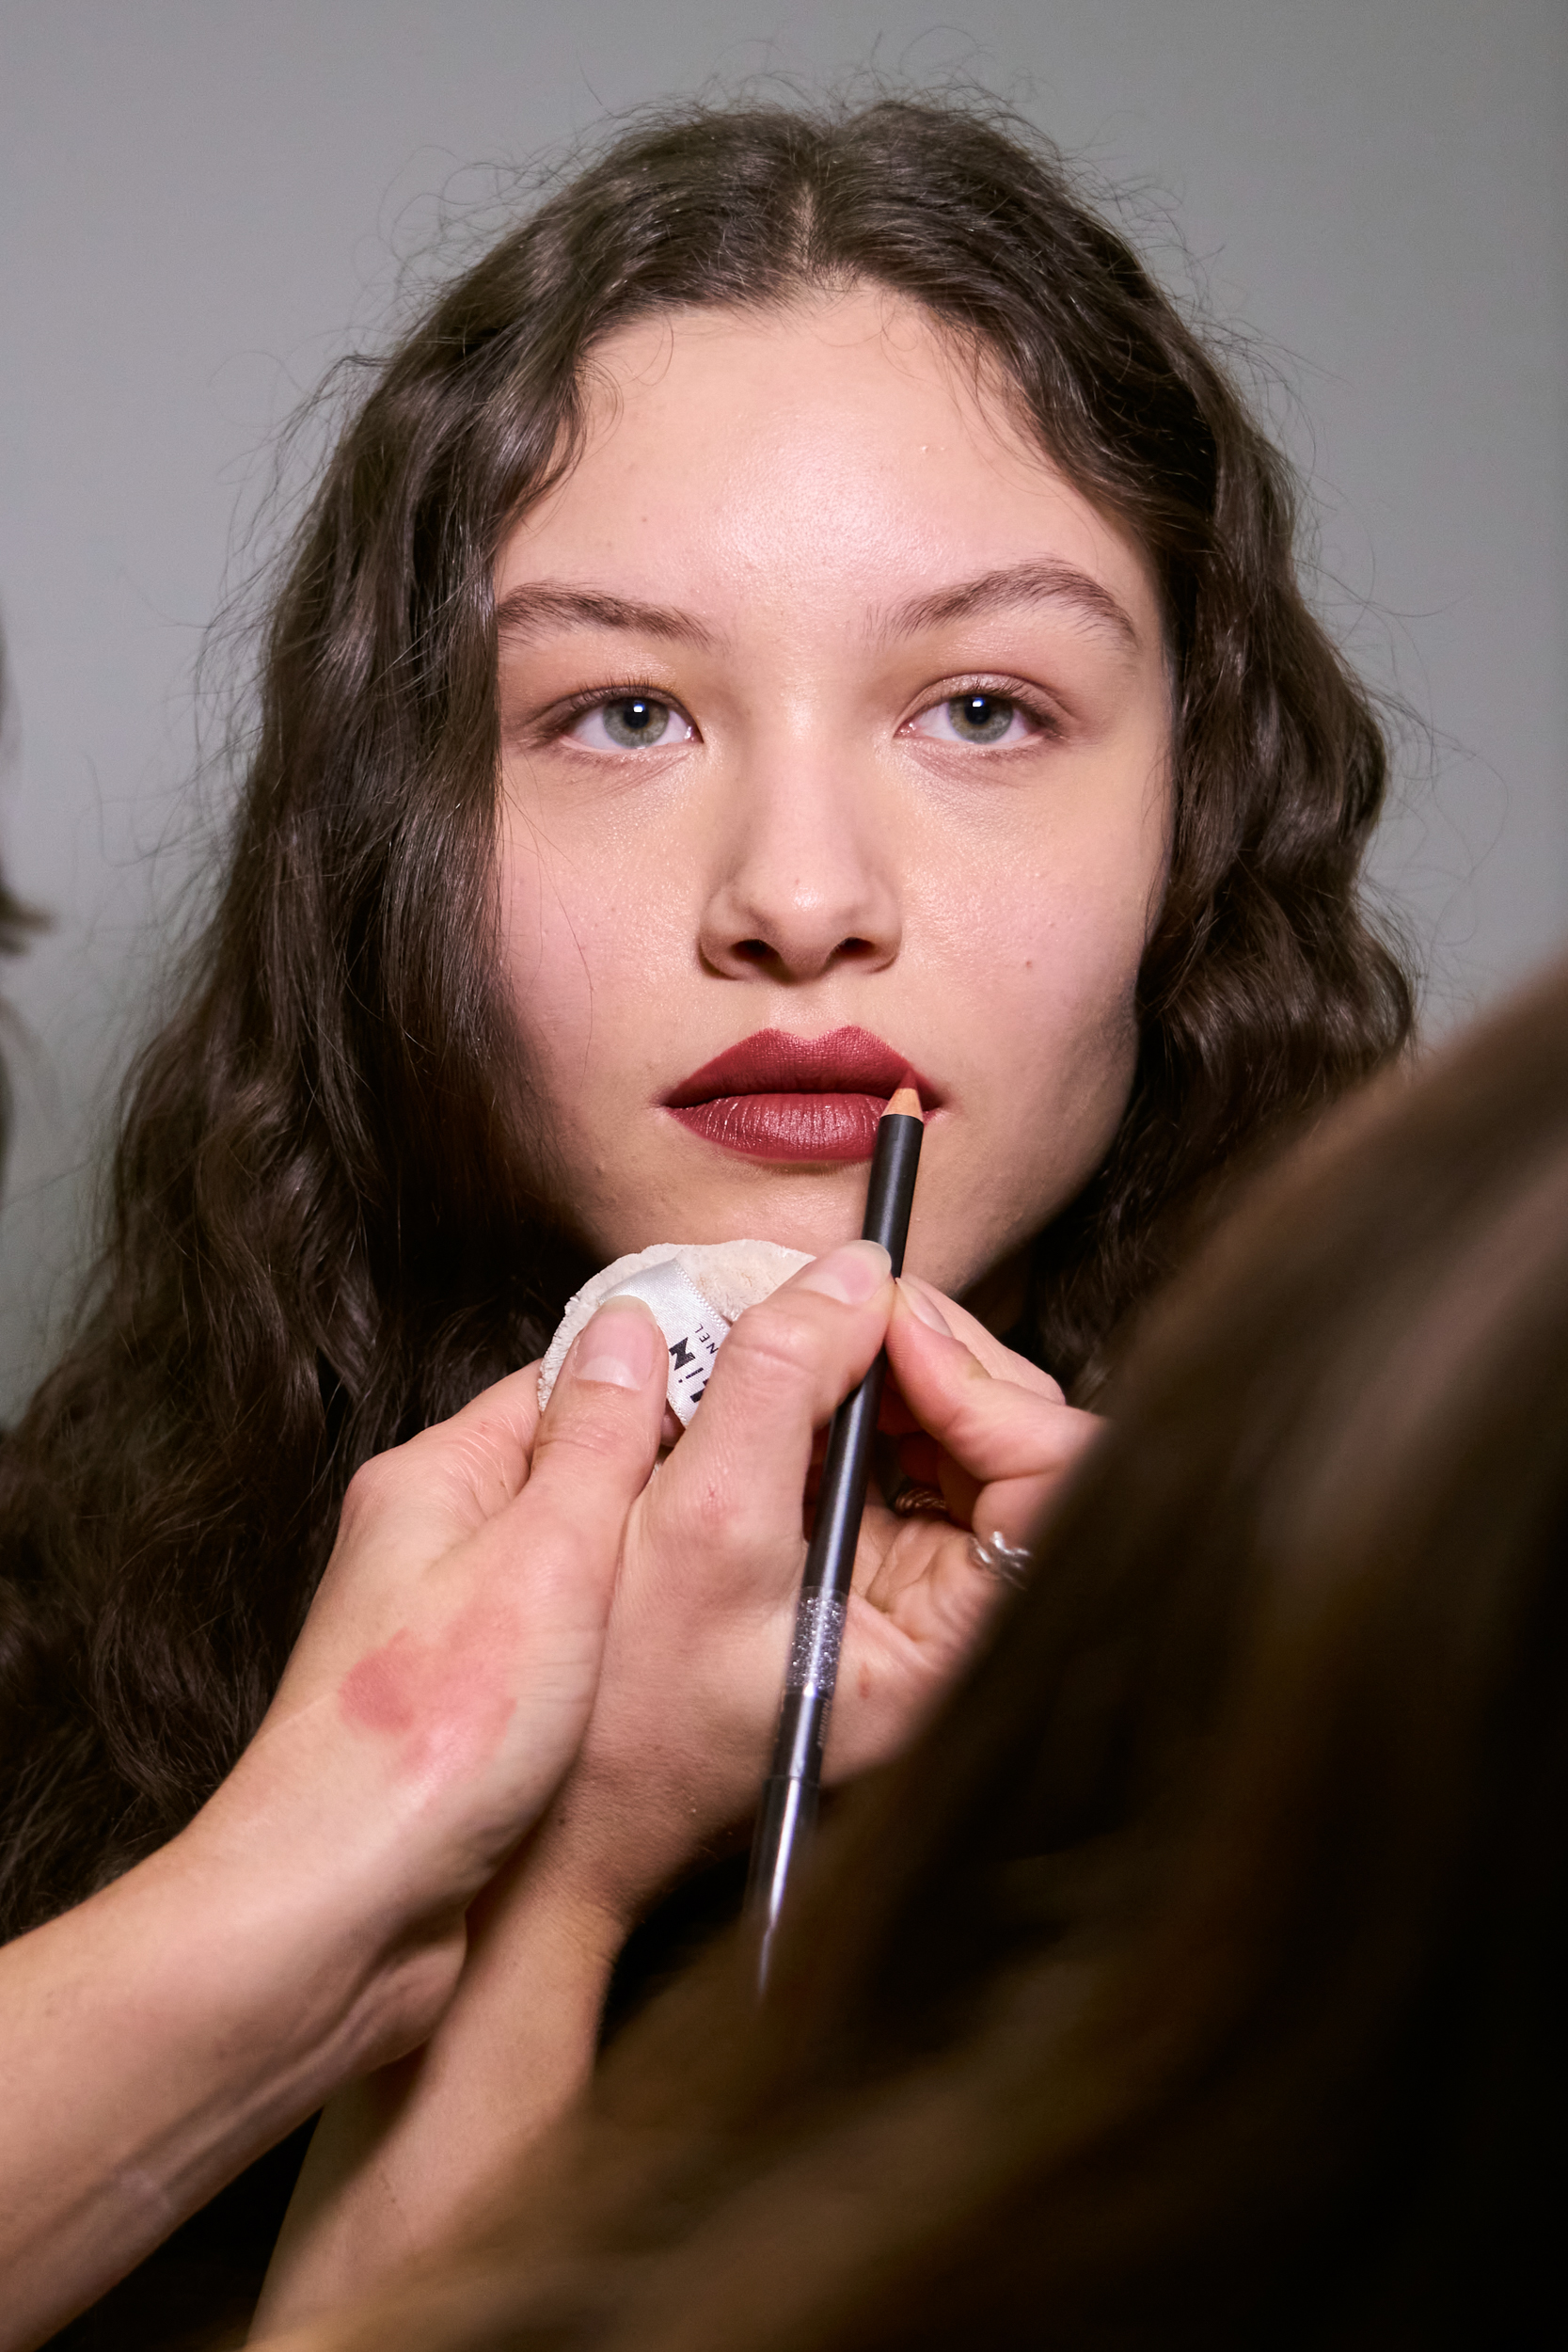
(202, 204)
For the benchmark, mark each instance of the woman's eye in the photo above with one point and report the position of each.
(983, 718)
(630, 722)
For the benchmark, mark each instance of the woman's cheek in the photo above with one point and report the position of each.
(1055, 994)
(557, 907)
(589, 944)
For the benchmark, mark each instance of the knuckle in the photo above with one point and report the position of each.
(716, 1506)
(563, 1555)
(374, 1484)
(774, 1343)
(1006, 1433)
(476, 1448)
(784, 1363)
(597, 1440)
(714, 1514)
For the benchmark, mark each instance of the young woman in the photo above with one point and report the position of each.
(802, 610)
(1196, 1981)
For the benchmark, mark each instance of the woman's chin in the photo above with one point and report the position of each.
(807, 1207)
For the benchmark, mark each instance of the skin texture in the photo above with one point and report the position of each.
(810, 844)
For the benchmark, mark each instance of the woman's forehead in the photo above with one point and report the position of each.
(845, 443)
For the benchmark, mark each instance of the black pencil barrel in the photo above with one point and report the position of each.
(841, 1497)
(891, 1194)
(788, 1808)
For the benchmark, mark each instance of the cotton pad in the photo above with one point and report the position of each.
(695, 1291)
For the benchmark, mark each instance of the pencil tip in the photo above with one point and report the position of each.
(905, 1104)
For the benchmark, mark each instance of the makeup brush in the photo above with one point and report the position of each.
(788, 1806)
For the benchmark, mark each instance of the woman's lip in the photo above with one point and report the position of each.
(848, 1063)
(794, 1126)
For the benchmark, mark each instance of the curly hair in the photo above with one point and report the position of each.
(328, 1224)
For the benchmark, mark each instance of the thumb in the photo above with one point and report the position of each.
(597, 1440)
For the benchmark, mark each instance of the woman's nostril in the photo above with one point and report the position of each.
(767, 955)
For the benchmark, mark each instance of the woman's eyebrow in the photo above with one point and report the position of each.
(1038, 582)
(538, 603)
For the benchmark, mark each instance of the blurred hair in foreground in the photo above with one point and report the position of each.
(1199, 1978)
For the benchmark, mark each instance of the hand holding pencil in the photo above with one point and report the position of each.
(713, 1554)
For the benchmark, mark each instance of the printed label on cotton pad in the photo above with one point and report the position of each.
(695, 1290)
(691, 1324)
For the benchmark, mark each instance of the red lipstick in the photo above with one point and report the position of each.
(777, 1097)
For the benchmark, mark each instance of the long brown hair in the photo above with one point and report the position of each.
(1198, 1978)
(327, 1226)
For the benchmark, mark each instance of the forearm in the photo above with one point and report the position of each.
(399, 2157)
(154, 2040)
(308, 1926)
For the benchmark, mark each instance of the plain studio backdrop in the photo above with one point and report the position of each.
(204, 202)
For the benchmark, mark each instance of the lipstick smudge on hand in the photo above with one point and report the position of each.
(445, 1702)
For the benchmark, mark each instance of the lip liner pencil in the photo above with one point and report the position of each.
(788, 1806)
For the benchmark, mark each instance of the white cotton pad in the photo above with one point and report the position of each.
(696, 1290)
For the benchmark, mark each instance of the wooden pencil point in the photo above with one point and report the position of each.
(905, 1104)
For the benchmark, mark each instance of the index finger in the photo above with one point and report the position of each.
(738, 1474)
(1002, 1363)
(993, 1426)
(478, 1460)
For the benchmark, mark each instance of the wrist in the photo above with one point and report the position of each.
(307, 1897)
(298, 1987)
(165, 2033)
(401, 2157)
(593, 1880)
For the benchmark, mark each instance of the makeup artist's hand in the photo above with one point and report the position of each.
(700, 1630)
(681, 1728)
(309, 1922)
(992, 1434)
(446, 1668)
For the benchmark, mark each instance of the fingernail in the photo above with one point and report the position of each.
(922, 1309)
(849, 1274)
(620, 1347)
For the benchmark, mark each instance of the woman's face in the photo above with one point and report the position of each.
(835, 731)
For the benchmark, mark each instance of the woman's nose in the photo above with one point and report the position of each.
(805, 880)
